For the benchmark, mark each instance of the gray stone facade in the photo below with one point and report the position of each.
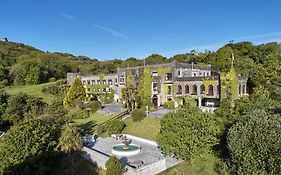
(180, 80)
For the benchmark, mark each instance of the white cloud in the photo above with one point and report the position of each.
(111, 31)
(67, 16)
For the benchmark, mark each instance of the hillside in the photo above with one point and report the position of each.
(25, 65)
(31, 90)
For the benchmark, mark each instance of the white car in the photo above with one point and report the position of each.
(1, 133)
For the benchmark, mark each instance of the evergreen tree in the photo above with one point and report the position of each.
(76, 93)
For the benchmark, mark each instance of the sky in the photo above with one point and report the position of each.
(119, 29)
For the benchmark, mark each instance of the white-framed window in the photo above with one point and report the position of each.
(168, 76)
(122, 79)
(154, 73)
(179, 73)
(109, 81)
(154, 86)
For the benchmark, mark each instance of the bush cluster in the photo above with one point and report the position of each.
(58, 89)
(138, 115)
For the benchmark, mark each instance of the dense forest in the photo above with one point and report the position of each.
(245, 136)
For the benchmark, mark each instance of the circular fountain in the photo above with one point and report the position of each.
(125, 149)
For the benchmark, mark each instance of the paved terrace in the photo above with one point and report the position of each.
(150, 153)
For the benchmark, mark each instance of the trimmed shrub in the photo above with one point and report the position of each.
(138, 115)
(113, 166)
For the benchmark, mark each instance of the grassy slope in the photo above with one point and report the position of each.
(203, 165)
(89, 124)
(148, 128)
(31, 90)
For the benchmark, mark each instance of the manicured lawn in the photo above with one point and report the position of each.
(31, 90)
(203, 165)
(148, 128)
(96, 117)
(89, 125)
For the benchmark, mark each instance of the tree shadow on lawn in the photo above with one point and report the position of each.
(54, 163)
(88, 128)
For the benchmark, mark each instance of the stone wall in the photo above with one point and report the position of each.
(94, 157)
(154, 168)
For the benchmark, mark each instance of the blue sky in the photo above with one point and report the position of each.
(118, 29)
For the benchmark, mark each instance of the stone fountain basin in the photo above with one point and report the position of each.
(119, 150)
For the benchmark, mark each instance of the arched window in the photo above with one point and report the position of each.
(179, 89)
(243, 89)
(194, 90)
(169, 90)
(186, 89)
(202, 89)
(211, 90)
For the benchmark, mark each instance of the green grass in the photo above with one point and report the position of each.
(31, 90)
(89, 125)
(96, 117)
(147, 128)
(201, 165)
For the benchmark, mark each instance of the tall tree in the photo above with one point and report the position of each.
(69, 140)
(113, 166)
(28, 147)
(254, 143)
(76, 93)
(187, 133)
